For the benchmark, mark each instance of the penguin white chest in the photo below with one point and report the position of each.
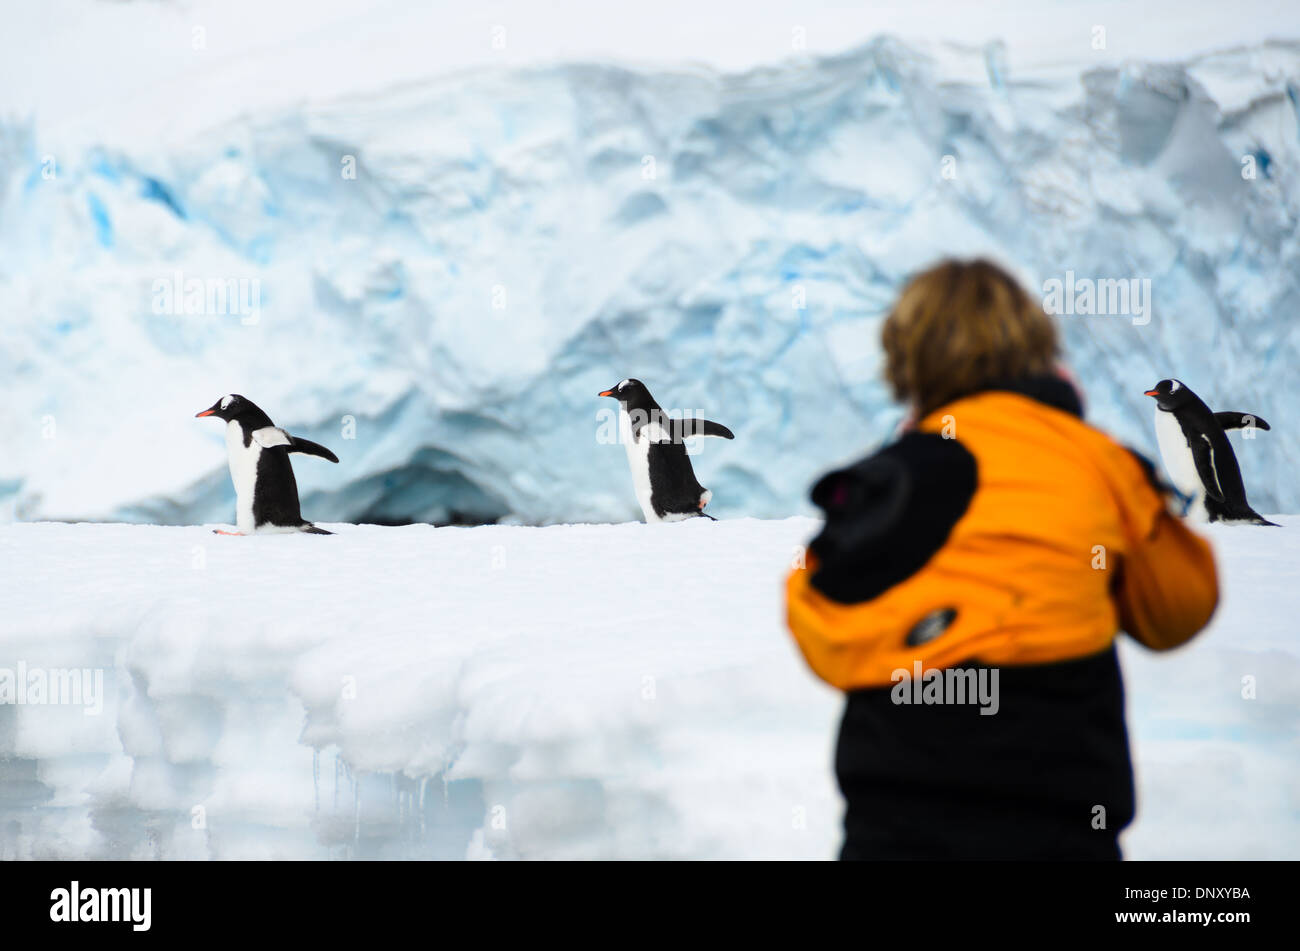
(243, 473)
(1179, 462)
(638, 460)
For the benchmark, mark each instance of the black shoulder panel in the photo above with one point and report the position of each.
(887, 515)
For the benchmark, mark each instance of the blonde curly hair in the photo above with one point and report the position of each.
(959, 327)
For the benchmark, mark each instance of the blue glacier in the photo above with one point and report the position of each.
(450, 271)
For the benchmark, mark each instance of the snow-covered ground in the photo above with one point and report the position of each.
(571, 691)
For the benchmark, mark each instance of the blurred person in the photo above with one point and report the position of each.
(968, 585)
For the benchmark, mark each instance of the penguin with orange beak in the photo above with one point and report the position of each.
(266, 494)
(665, 483)
(1198, 456)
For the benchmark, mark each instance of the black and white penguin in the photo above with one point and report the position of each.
(661, 470)
(1198, 456)
(266, 495)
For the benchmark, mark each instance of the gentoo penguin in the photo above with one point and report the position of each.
(266, 495)
(661, 470)
(1198, 456)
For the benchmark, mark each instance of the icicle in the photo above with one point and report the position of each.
(356, 813)
(315, 777)
(338, 764)
(424, 787)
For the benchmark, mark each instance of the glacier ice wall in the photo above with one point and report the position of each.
(446, 273)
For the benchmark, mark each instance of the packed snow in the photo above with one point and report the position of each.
(435, 278)
(577, 691)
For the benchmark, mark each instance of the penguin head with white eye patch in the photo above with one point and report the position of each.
(1170, 394)
(632, 394)
(229, 407)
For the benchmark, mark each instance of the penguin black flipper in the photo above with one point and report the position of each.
(309, 448)
(690, 426)
(1232, 420)
(1203, 456)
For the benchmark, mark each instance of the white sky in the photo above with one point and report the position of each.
(94, 70)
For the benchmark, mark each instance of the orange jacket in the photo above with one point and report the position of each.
(1064, 542)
